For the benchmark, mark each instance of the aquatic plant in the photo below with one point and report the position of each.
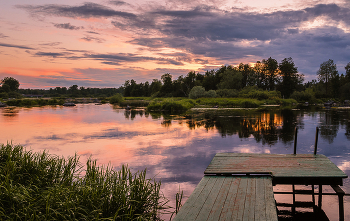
(40, 186)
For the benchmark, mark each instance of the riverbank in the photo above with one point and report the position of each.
(39, 186)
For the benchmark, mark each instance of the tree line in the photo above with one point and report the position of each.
(227, 81)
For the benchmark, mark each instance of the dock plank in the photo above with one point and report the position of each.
(280, 166)
(227, 211)
(230, 198)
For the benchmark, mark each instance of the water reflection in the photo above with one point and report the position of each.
(265, 127)
(175, 149)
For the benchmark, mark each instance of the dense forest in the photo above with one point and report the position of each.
(228, 81)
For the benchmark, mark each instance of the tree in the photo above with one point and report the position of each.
(327, 70)
(260, 74)
(209, 80)
(231, 79)
(155, 87)
(271, 69)
(347, 75)
(167, 87)
(11, 82)
(290, 78)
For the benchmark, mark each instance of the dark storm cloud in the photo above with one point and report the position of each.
(67, 26)
(15, 46)
(87, 10)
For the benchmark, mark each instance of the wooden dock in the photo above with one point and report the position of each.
(231, 198)
(238, 186)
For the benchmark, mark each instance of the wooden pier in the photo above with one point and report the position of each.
(238, 186)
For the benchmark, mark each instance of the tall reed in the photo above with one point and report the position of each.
(39, 186)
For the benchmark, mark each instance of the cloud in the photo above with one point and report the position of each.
(90, 39)
(67, 26)
(204, 34)
(87, 10)
(15, 46)
(118, 58)
(3, 36)
(118, 3)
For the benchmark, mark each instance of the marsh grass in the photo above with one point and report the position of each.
(171, 105)
(39, 186)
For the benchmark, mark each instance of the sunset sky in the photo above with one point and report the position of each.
(101, 43)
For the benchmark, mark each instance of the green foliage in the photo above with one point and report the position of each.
(116, 99)
(135, 103)
(303, 96)
(39, 186)
(4, 95)
(197, 92)
(227, 93)
(249, 104)
(229, 102)
(211, 93)
(345, 91)
(231, 79)
(12, 83)
(256, 93)
(171, 105)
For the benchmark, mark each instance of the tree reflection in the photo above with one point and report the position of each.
(329, 125)
(267, 127)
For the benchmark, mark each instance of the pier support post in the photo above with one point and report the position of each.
(316, 141)
(295, 140)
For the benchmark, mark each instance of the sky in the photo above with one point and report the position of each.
(101, 43)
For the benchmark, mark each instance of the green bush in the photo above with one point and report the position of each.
(197, 92)
(39, 186)
(171, 105)
(249, 104)
(303, 96)
(4, 95)
(211, 93)
(116, 99)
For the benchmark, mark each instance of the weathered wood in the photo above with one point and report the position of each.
(230, 198)
(318, 169)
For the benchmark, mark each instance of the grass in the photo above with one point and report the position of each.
(39, 186)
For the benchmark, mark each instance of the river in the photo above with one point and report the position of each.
(177, 148)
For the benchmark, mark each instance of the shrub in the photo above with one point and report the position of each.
(210, 93)
(249, 104)
(197, 92)
(116, 99)
(303, 96)
(171, 106)
(4, 95)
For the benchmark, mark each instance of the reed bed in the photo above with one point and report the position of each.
(39, 186)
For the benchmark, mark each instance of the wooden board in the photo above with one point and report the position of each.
(231, 198)
(284, 168)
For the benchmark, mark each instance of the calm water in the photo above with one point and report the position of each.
(177, 149)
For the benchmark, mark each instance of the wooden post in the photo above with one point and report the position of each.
(316, 141)
(320, 196)
(295, 140)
